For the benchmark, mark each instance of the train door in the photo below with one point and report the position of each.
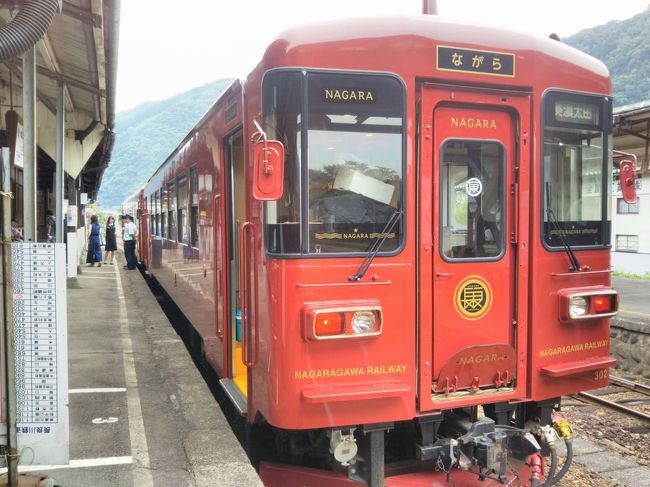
(143, 238)
(469, 164)
(236, 384)
(142, 219)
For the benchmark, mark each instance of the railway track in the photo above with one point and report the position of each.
(616, 405)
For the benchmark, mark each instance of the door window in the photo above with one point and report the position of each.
(472, 200)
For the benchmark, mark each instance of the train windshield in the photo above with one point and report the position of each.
(351, 174)
(577, 173)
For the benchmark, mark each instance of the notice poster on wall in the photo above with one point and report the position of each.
(40, 336)
(19, 150)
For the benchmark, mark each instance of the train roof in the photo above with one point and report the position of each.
(133, 197)
(412, 32)
(421, 30)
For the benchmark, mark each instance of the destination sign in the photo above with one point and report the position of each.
(346, 95)
(474, 61)
(573, 112)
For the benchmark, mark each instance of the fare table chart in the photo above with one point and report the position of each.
(40, 338)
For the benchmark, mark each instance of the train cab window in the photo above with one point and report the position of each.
(282, 107)
(194, 207)
(472, 200)
(171, 211)
(352, 163)
(577, 173)
(183, 203)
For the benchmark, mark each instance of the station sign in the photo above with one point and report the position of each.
(475, 61)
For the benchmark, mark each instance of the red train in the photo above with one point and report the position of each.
(394, 242)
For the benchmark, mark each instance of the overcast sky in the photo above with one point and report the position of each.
(171, 46)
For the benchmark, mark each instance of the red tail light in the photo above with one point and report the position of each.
(356, 319)
(604, 304)
(328, 324)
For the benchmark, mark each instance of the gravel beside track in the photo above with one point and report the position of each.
(613, 430)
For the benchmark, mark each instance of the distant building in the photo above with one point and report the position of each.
(631, 222)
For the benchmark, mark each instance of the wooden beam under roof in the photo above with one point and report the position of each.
(99, 58)
(47, 52)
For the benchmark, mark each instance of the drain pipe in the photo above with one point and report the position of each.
(27, 28)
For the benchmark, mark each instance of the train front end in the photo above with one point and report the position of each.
(434, 219)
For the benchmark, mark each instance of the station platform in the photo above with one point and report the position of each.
(140, 413)
(630, 332)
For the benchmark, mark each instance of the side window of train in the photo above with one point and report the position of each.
(163, 213)
(157, 211)
(151, 218)
(172, 198)
(194, 207)
(183, 201)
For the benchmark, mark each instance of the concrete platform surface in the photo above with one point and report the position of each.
(140, 413)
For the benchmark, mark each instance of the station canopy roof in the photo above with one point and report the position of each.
(80, 50)
(632, 131)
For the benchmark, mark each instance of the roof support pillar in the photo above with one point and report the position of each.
(60, 174)
(29, 168)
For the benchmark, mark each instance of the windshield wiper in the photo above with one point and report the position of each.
(375, 246)
(551, 218)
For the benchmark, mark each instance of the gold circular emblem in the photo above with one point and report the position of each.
(473, 297)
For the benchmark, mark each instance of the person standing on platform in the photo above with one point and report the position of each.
(111, 241)
(94, 243)
(129, 233)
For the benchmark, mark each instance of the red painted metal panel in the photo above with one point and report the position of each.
(445, 326)
(579, 366)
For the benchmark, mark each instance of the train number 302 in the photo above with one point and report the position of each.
(601, 374)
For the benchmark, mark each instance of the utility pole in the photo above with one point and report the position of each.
(60, 154)
(29, 165)
(8, 312)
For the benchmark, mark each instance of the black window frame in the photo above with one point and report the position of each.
(605, 115)
(304, 167)
(172, 195)
(194, 206)
(181, 211)
(504, 202)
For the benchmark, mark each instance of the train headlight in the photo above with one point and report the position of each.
(364, 322)
(578, 306)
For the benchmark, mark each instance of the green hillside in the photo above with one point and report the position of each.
(624, 47)
(147, 134)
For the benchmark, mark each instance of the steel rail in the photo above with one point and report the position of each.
(614, 406)
(628, 384)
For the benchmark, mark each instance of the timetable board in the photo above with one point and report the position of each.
(40, 338)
